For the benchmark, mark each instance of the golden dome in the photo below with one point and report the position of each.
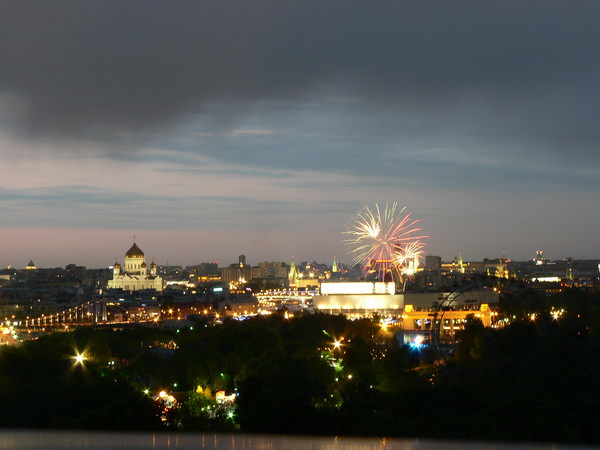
(134, 252)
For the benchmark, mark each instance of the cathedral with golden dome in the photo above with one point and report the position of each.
(135, 275)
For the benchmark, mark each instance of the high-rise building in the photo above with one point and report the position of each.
(237, 273)
(432, 272)
(272, 269)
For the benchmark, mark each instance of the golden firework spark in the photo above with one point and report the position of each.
(378, 234)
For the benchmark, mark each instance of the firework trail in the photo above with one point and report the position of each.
(383, 238)
(406, 259)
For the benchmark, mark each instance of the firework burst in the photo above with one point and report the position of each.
(406, 259)
(384, 239)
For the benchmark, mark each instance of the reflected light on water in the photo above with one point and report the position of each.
(49, 440)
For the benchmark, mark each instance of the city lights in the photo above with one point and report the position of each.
(367, 225)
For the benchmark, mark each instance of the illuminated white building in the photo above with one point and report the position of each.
(135, 276)
(367, 298)
(359, 297)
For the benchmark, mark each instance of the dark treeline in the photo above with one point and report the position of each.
(535, 379)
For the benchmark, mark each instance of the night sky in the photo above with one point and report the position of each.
(215, 128)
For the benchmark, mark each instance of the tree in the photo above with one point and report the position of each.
(470, 344)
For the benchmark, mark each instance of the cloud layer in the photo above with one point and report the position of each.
(522, 73)
(271, 122)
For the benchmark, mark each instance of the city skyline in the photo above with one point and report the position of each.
(252, 259)
(212, 130)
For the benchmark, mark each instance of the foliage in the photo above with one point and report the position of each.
(44, 387)
(531, 380)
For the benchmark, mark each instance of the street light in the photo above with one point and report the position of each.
(79, 358)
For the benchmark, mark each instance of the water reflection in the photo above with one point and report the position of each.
(103, 441)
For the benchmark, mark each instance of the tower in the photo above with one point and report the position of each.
(461, 267)
(292, 274)
(116, 269)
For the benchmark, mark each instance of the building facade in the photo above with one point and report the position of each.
(135, 274)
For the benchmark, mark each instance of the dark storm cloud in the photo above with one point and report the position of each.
(525, 72)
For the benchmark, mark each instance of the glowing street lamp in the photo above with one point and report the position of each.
(79, 358)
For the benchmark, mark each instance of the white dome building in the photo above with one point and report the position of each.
(135, 276)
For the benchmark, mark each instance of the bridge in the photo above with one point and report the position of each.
(90, 312)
